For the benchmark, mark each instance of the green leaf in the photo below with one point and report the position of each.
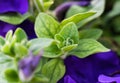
(90, 34)
(39, 5)
(14, 18)
(97, 6)
(54, 70)
(69, 48)
(20, 50)
(5, 62)
(39, 79)
(70, 30)
(20, 35)
(47, 4)
(46, 26)
(75, 9)
(8, 36)
(7, 49)
(11, 75)
(60, 40)
(76, 18)
(40, 43)
(4, 58)
(43, 61)
(2, 41)
(87, 47)
(52, 51)
(68, 35)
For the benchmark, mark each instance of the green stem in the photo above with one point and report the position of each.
(31, 7)
(39, 5)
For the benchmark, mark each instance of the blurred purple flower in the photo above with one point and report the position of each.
(19, 6)
(26, 25)
(27, 66)
(61, 10)
(87, 70)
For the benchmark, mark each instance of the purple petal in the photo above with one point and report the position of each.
(20, 6)
(107, 79)
(88, 69)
